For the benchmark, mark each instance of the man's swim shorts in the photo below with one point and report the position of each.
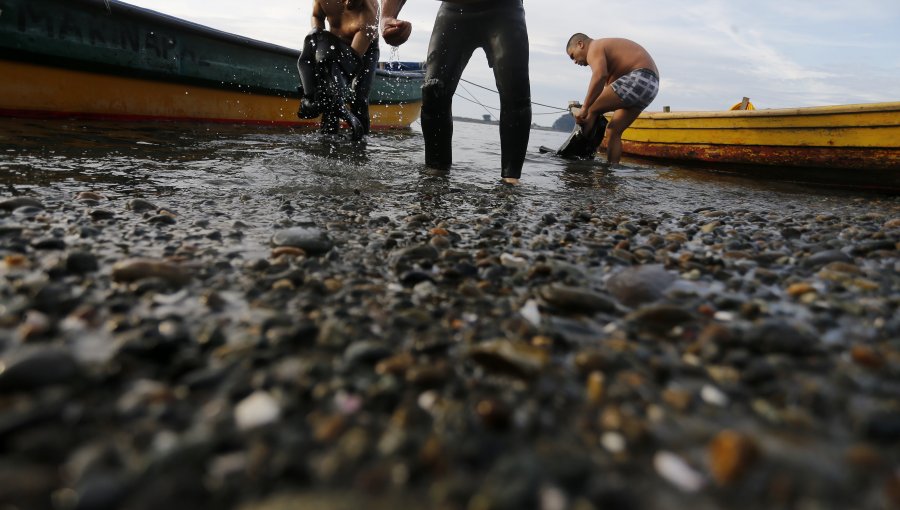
(637, 88)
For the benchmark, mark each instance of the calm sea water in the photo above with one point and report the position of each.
(245, 171)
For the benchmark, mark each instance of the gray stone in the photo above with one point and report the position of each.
(312, 240)
(634, 286)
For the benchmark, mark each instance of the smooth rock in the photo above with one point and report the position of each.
(81, 262)
(511, 358)
(35, 368)
(312, 240)
(777, 335)
(574, 299)
(826, 257)
(12, 204)
(130, 270)
(139, 205)
(634, 286)
(256, 410)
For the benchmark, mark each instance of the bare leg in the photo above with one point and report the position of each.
(607, 102)
(621, 119)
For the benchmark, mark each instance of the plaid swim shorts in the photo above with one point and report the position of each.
(637, 88)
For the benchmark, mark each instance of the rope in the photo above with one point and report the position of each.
(476, 101)
(495, 92)
(464, 98)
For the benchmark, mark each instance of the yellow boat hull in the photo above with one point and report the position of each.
(40, 91)
(865, 136)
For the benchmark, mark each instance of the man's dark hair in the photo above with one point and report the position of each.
(575, 38)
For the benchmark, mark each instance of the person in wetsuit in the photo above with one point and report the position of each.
(624, 80)
(338, 65)
(498, 27)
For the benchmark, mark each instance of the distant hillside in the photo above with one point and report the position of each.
(564, 123)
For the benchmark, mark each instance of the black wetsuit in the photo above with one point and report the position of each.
(498, 27)
(331, 75)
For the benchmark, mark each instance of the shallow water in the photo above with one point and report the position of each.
(243, 171)
(224, 161)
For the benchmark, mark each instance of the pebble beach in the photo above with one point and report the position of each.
(299, 329)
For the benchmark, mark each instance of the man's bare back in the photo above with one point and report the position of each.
(621, 56)
(354, 21)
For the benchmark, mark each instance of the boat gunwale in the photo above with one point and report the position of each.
(183, 24)
(860, 108)
(84, 66)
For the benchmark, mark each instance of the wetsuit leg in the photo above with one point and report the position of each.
(453, 40)
(507, 52)
(306, 66)
(336, 63)
(362, 86)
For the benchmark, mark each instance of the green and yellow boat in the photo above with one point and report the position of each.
(858, 142)
(105, 59)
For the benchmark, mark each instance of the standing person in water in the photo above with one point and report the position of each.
(498, 27)
(339, 62)
(624, 80)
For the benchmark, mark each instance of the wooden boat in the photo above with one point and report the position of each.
(104, 59)
(858, 142)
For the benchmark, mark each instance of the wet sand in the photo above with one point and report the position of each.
(208, 318)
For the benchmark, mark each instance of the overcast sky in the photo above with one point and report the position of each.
(710, 53)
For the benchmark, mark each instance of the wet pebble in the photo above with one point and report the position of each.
(731, 454)
(81, 262)
(101, 214)
(510, 358)
(256, 410)
(11, 204)
(130, 270)
(312, 240)
(365, 352)
(139, 205)
(826, 257)
(575, 300)
(634, 286)
(37, 367)
(777, 335)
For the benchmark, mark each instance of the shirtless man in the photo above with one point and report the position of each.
(354, 21)
(351, 55)
(461, 26)
(624, 79)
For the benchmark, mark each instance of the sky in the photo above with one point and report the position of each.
(710, 53)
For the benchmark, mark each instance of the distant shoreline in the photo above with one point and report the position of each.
(496, 123)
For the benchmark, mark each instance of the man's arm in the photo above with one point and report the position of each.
(596, 59)
(318, 16)
(394, 31)
(599, 74)
(391, 8)
(364, 38)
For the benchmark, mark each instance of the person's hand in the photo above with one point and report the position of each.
(583, 118)
(395, 31)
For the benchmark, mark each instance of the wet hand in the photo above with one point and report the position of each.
(395, 32)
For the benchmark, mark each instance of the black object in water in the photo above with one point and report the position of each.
(580, 145)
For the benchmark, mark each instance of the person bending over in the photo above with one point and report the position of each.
(337, 66)
(461, 26)
(624, 80)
